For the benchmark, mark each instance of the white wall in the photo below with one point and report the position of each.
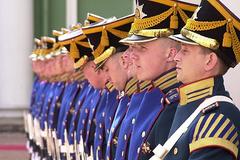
(232, 84)
(16, 30)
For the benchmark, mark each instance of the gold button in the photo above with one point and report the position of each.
(115, 140)
(175, 151)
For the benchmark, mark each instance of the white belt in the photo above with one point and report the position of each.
(161, 151)
(67, 149)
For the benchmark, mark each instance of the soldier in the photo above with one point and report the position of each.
(46, 88)
(37, 69)
(210, 45)
(152, 54)
(80, 49)
(105, 37)
(128, 122)
(72, 88)
(60, 69)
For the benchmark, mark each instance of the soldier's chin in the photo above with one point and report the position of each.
(139, 74)
(179, 77)
(118, 87)
(140, 77)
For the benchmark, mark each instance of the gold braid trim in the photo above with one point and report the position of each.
(46, 51)
(202, 25)
(84, 44)
(140, 24)
(104, 42)
(56, 46)
(118, 33)
(99, 50)
(193, 25)
(81, 62)
(105, 55)
(235, 42)
(104, 37)
(182, 14)
(155, 32)
(202, 40)
(74, 52)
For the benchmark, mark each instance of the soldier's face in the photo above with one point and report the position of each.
(115, 73)
(48, 69)
(150, 59)
(98, 78)
(127, 60)
(34, 66)
(67, 63)
(39, 67)
(58, 65)
(190, 63)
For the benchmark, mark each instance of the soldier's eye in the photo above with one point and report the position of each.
(184, 51)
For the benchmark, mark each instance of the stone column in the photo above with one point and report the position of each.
(71, 12)
(16, 33)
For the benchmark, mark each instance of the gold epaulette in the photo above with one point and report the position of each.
(145, 85)
(166, 80)
(65, 77)
(131, 86)
(195, 91)
(110, 87)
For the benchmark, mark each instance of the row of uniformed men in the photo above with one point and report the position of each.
(154, 85)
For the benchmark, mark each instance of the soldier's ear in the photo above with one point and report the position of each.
(93, 65)
(171, 54)
(211, 61)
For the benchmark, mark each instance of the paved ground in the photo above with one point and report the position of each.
(12, 146)
(12, 139)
